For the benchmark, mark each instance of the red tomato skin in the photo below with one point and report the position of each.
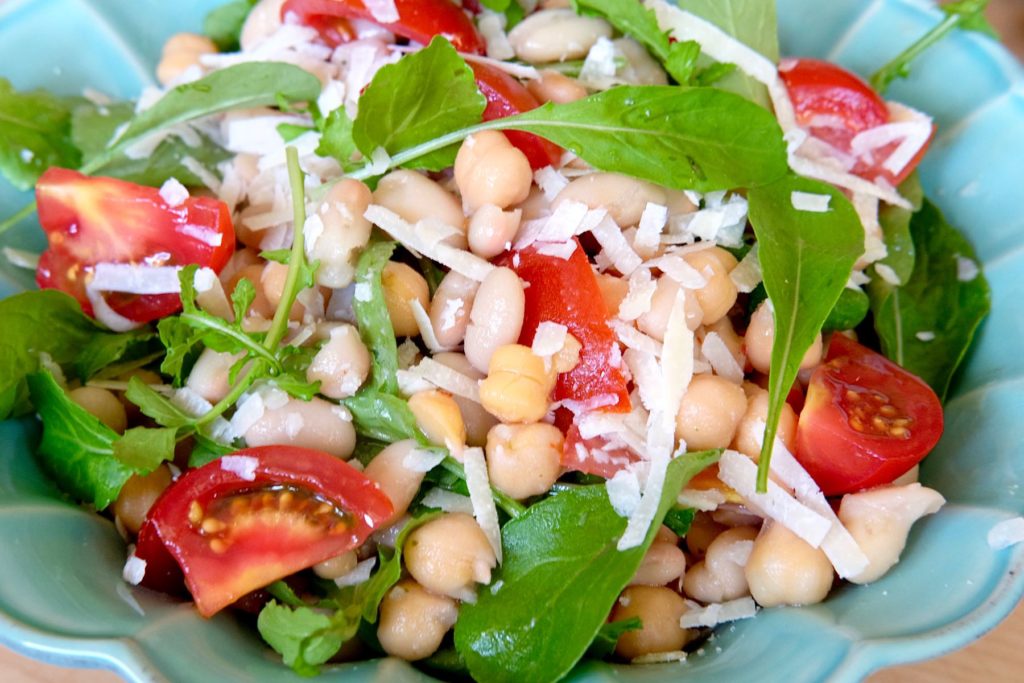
(89, 220)
(566, 292)
(507, 97)
(842, 460)
(418, 20)
(819, 88)
(260, 551)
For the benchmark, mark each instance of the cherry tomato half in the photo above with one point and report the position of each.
(90, 220)
(866, 420)
(418, 20)
(232, 534)
(836, 105)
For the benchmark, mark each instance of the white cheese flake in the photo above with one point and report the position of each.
(721, 359)
(562, 250)
(448, 379)
(173, 192)
(448, 501)
(549, 339)
(648, 232)
(638, 298)
(747, 273)
(383, 11)
(479, 486)
(426, 327)
(422, 460)
(550, 181)
(623, 491)
(359, 574)
(135, 279)
(134, 569)
(888, 274)
(242, 466)
(21, 258)
(717, 613)
(492, 29)
(810, 202)
(616, 248)
(966, 269)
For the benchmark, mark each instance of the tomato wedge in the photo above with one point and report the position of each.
(244, 521)
(418, 20)
(835, 105)
(594, 455)
(866, 420)
(507, 97)
(91, 220)
(566, 292)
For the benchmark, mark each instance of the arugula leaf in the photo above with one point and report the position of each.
(850, 310)
(966, 14)
(933, 300)
(336, 139)
(422, 96)
(895, 224)
(156, 406)
(206, 450)
(372, 317)
(390, 570)
(806, 260)
(380, 416)
(285, 629)
(105, 349)
(35, 133)
(223, 25)
(144, 448)
(606, 639)
(534, 623)
(679, 520)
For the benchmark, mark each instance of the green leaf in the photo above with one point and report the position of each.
(380, 416)
(633, 19)
(206, 450)
(77, 449)
(156, 406)
(806, 260)
(559, 580)
(681, 63)
(35, 133)
(336, 139)
(223, 25)
(372, 317)
(895, 224)
(285, 629)
(422, 96)
(934, 301)
(850, 310)
(105, 349)
(390, 570)
(606, 639)
(679, 520)
(143, 448)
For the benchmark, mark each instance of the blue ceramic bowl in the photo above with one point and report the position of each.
(61, 596)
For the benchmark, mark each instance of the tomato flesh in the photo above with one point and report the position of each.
(594, 455)
(866, 421)
(418, 20)
(90, 220)
(231, 534)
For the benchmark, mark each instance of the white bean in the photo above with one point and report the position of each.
(450, 307)
(413, 622)
(720, 576)
(209, 376)
(478, 421)
(337, 566)
(491, 230)
(345, 232)
(496, 318)
(555, 35)
(414, 197)
(623, 197)
(784, 569)
(641, 68)
(449, 554)
(316, 424)
(555, 87)
(341, 365)
(398, 482)
(490, 170)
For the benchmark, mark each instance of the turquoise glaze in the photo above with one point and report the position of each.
(61, 598)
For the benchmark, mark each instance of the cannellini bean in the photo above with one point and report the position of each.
(623, 197)
(342, 364)
(316, 424)
(209, 376)
(555, 87)
(345, 232)
(103, 405)
(450, 307)
(660, 610)
(491, 230)
(535, 206)
(719, 294)
(180, 52)
(477, 420)
(496, 318)
(261, 306)
(337, 566)
(517, 386)
(273, 280)
(655, 321)
(413, 621)
(138, 495)
(750, 431)
(662, 564)
(720, 575)
(641, 68)
(401, 286)
(524, 460)
(399, 483)
(415, 197)
(263, 19)
(490, 170)
(449, 554)
(761, 335)
(241, 259)
(555, 35)
(784, 569)
(710, 412)
(438, 417)
(880, 520)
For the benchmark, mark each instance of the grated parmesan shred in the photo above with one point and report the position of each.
(717, 613)
(479, 486)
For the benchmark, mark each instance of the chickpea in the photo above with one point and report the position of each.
(102, 405)
(180, 52)
(496, 318)
(761, 336)
(663, 563)
(641, 68)
(710, 412)
(450, 307)
(345, 232)
(517, 386)
(337, 566)
(477, 420)
(261, 305)
(273, 280)
(555, 87)
(263, 19)
(660, 610)
(613, 290)
(490, 170)
(750, 432)
(524, 460)
(555, 35)
(414, 197)
(783, 569)
(316, 424)
(402, 285)
(398, 482)
(438, 417)
(342, 364)
(702, 532)
(655, 321)
(138, 495)
(447, 555)
(491, 230)
(720, 576)
(719, 294)
(209, 376)
(665, 535)
(623, 197)
(241, 259)
(880, 520)
(413, 621)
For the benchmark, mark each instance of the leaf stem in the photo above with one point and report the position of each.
(298, 258)
(512, 508)
(228, 331)
(11, 221)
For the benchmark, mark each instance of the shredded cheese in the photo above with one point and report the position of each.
(638, 298)
(810, 202)
(721, 359)
(426, 328)
(448, 379)
(135, 279)
(717, 613)
(479, 486)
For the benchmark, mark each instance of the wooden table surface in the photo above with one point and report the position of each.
(997, 657)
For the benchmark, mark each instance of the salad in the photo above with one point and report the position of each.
(405, 349)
